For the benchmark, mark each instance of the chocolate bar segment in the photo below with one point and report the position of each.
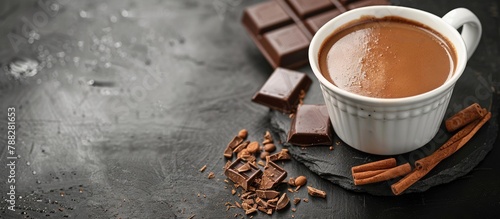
(264, 17)
(311, 126)
(283, 29)
(242, 173)
(305, 8)
(282, 90)
(287, 45)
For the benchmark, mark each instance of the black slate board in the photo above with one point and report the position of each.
(335, 165)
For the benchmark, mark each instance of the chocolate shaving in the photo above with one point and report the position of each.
(211, 175)
(269, 211)
(261, 163)
(203, 168)
(296, 201)
(244, 168)
(268, 136)
(316, 192)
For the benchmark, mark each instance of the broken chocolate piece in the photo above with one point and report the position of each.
(311, 126)
(235, 142)
(241, 146)
(271, 203)
(250, 211)
(283, 29)
(282, 155)
(262, 208)
(244, 179)
(282, 202)
(249, 201)
(228, 152)
(282, 90)
(272, 176)
(316, 192)
(261, 202)
(267, 194)
(296, 201)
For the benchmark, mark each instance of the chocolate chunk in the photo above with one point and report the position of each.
(267, 194)
(228, 152)
(234, 142)
(282, 155)
(283, 29)
(311, 126)
(282, 202)
(282, 90)
(244, 179)
(272, 176)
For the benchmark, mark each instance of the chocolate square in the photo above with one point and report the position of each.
(272, 176)
(282, 90)
(311, 126)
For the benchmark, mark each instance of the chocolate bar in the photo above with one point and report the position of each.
(310, 126)
(283, 29)
(272, 176)
(282, 91)
(242, 173)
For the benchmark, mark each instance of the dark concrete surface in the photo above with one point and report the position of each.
(132, 98)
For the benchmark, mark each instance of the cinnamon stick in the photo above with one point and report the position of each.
(444, 152)
(386, 175)
(367, 174)
(377, 165)
(408, 180)
(425, 165)
(464, 117)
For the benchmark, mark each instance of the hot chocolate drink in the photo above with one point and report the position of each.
(388, 57)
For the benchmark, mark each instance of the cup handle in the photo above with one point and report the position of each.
(471, 31)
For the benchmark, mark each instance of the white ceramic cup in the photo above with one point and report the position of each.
(388, 126)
